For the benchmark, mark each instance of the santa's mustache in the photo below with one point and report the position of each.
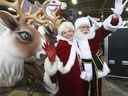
(85, 34)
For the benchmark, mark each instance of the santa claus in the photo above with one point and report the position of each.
(90, 36)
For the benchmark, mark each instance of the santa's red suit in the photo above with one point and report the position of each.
(69, 80)
(92, 42)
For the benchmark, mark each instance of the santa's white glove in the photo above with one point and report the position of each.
(119, 7)
(87, 73)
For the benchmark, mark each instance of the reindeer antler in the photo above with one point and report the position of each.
(28, 16)
(38, 17)
(41, 16)
(54, 22)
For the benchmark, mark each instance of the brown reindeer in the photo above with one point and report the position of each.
(19, 42)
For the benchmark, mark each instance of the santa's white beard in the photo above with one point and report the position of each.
(83, 43)
(84, 48)
(87, 35)
(11, 69)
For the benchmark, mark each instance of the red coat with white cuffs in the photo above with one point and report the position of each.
(70, 83)
(111, 24)
(102, 32)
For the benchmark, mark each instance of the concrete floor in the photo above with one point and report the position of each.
(115, 87)
(111, 87)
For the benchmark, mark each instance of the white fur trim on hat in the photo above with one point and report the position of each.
(81, 21)
(64, 26)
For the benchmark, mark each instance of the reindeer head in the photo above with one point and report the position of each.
(24, 38)
(20, 41)
(21, 36)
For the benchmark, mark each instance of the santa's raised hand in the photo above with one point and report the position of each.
(119, 7)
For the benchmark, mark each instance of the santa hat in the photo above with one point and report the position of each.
(81, 21)
(64, 26)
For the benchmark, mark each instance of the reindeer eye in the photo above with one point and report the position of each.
(25, 36)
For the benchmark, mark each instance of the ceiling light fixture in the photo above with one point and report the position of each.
(74, 2)
(80, 12)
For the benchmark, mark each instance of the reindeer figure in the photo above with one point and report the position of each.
(19, 42)
(49, 33)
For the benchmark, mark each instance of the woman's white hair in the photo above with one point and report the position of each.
(65, 25)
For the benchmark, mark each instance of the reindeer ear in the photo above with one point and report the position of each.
(9, 20)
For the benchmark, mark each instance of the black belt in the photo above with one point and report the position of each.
(87, 60)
